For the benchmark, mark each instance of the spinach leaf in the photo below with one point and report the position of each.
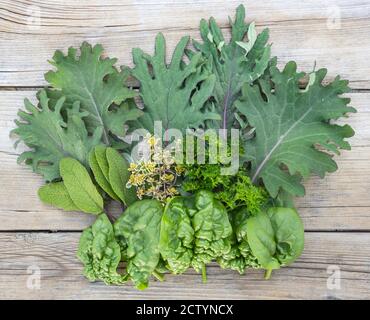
(194, 231)
(176, 236)
(240, 256)
(212, 230)
(261, 239)
(138, 230)
(276, 238)
(100, 252)
(289, 234)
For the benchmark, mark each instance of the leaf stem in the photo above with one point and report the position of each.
(158, 275)
(110, 216)
(204, 273)
(268, 274)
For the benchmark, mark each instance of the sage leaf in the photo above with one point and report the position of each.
(99, 168)
(80, 186)
(56, 194)
(101, 158)
(119, 175)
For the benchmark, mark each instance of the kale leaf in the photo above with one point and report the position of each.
(176, 93)
(235, 63)
(51, 137)
(98, 85)
(290, 124)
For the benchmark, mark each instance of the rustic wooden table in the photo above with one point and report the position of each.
(35, 238)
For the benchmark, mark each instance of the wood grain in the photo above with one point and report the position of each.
(335, 211)
(61, 278)
(307, 32)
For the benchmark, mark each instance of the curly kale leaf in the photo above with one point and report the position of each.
(212, 230)
(176, 236)
(96, 83)
(290, 124)
(52, 137)
(235, 63)
(100, 252)
(138, 231)
(176, 93)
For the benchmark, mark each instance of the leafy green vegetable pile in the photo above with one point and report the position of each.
(180, 216)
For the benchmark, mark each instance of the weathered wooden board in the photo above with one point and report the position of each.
(54, 255)
(332, 33)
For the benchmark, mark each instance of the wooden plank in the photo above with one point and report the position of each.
(314, 219)
(301, 31)
(340, 201)
(61, 278)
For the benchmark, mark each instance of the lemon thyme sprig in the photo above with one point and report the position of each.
(156, 176)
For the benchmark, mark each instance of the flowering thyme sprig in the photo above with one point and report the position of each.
(156, 176)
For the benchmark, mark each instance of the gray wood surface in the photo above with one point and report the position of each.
(54, 255)
(335, 211)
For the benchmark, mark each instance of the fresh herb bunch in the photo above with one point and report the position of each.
(76, 134)
(233, 191)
